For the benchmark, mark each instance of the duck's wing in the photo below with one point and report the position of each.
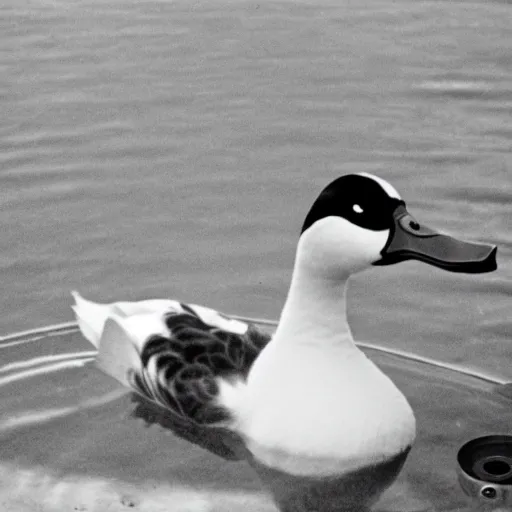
(181, 371)
(175, 358)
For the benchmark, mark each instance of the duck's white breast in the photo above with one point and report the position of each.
(312, 411)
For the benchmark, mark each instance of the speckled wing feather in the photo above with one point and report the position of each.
(178, 375)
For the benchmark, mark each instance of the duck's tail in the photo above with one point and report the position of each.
(91, 317)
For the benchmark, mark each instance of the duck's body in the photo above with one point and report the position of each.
(322, 425)
(316, 435)
(326, 403)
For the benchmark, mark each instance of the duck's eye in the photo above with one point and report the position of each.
(357, 208)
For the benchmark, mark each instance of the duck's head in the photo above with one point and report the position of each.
(360, 220)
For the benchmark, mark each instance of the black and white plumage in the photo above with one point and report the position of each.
(171, 354)
(179, 371)
(307, 409)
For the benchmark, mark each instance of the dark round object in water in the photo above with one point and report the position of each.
(485, 468)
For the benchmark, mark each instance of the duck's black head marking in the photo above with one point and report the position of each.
(360, 199)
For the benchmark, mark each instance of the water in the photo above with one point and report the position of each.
(69, 441)
(153, 149)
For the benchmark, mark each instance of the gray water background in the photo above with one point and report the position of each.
(172, 149)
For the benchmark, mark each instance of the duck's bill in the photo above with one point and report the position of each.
(409, 240)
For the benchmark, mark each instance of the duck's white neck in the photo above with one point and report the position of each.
(315, 310)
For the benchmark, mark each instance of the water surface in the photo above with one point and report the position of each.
(173, 148)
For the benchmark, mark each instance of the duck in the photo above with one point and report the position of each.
(321, 424)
